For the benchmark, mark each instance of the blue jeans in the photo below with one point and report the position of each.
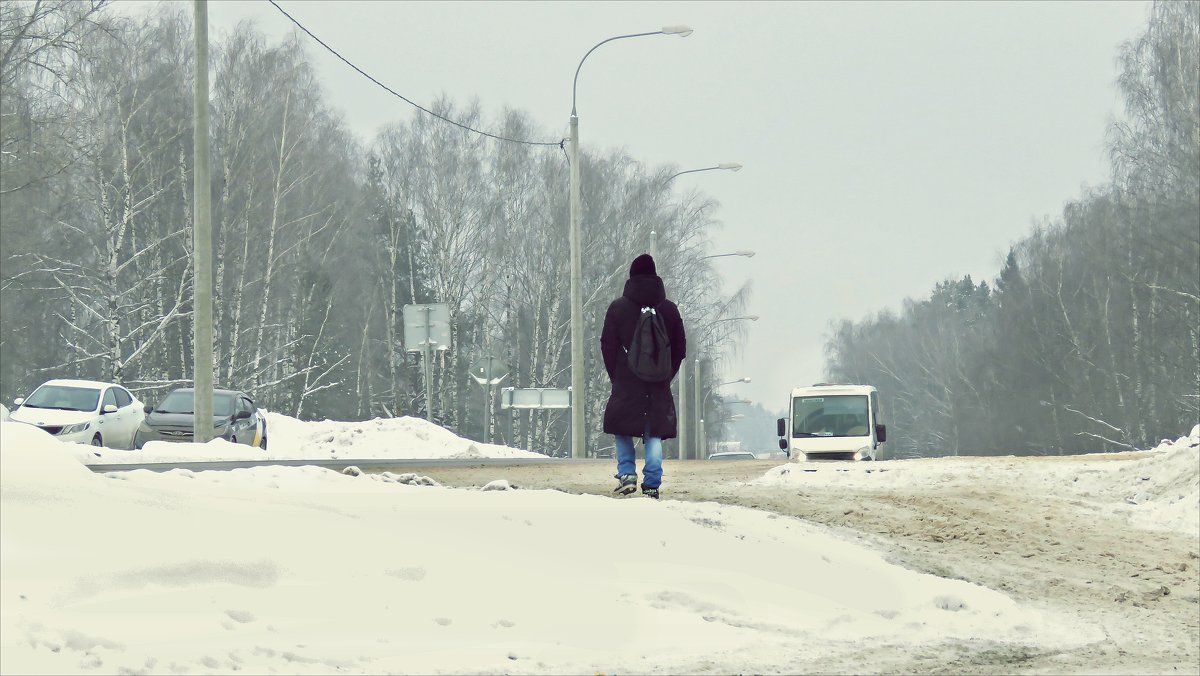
(652, 471)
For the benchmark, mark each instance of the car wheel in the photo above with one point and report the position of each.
(97, 440)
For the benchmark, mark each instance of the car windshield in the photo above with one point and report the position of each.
(185, 402)
(830, 416)
(64, 398)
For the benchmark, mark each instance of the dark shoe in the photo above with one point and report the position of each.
(650, 492)
(628, 484)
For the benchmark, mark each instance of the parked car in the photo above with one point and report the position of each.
(235, 419)
(733, 455)
(82, 411)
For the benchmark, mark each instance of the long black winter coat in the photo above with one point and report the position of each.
(634, 402)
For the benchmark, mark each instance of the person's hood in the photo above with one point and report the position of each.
(51, 417)
(645, 290)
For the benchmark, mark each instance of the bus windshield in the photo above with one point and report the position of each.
(843, 415)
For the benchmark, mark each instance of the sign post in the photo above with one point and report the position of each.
(535, 398)
(427, 328)
(489, 371)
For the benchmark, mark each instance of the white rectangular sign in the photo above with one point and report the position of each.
(429, 322)
(535, 397)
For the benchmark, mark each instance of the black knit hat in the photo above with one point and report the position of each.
(643, 265)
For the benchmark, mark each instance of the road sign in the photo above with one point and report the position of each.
(489, 371)
(427, 328)
(426, 325)
(535, 397)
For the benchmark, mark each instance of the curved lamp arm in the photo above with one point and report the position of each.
(681, 31)
(730, 166)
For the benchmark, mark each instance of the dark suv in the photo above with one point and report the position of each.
(235, 419)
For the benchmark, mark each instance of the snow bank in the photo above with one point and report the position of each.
(1164, 490)
(305, 570)
(30, 457)
(292, 439)
(3, 413)
(1157, 489)
(404, 437)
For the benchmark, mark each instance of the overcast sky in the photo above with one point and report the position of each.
(887, 146)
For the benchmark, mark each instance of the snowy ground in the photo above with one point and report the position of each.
(1158, 491)
(303, 570)
(1056, 533)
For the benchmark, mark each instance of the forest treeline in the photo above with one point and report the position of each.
(320, 238)
(1089, 337)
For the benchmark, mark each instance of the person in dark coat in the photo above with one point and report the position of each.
(638, 408)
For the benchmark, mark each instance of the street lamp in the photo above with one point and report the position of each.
(688, 417)
(702, 447)
(726, 166)
(578, 393)
(743, 252)
(714, 389)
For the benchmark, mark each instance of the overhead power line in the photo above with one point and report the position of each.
(393, 92)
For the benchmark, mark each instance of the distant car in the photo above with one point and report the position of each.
(235, 419)
(733, 455)
(83, 412)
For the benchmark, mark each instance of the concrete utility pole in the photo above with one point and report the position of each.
(202, 328)
(578, 392)
(683, 411)
(428, 356)
(697, 385)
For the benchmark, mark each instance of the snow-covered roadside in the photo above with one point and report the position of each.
(292, 439)
(1160, 491)
(303, 570)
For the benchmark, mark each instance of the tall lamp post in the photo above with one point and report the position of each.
(685, 433)
(697, 384)
(578, 393)
(702, 448)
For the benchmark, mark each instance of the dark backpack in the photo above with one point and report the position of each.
(649, 351)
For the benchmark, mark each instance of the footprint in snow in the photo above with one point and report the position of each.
(411, 574)
(242, 616)
(444, 621)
